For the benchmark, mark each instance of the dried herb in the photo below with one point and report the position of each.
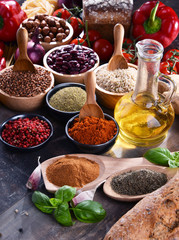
(69, 99)
(138, 182)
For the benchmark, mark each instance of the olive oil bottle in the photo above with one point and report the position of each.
(145, 115)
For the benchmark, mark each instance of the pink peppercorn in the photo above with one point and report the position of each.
(26, 132)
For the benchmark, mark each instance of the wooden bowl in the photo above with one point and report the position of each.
(48, 46)
(106, 98)
(63, 78)
(24, 103)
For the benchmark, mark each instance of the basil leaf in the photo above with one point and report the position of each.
(65, 193)
(62, 214)
(55, 202)
(174, 163)
(89, 211)
(42, 202)
(159, 156)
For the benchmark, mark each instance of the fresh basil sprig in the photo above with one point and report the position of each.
(163, 156)
(87, 211)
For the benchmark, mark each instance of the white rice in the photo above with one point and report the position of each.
(117, 81)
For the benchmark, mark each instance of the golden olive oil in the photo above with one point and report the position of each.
(143, 122)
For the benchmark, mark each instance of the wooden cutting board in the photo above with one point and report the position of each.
(108, 166)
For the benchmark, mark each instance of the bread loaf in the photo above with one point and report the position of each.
(155, 217)
(103, 15)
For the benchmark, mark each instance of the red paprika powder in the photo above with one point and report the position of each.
(92, 130)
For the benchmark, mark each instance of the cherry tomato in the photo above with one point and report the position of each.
(129, 56)
(79, 41)
(2, 63)
(62, 13)
(77, 25)
(168, 68)
(103, 48)
(2, 45)
(93, 35)
(128, 44)
(173, 55)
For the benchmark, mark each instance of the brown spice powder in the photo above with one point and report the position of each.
(72, 171)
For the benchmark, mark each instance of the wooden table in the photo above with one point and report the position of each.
(16, 167)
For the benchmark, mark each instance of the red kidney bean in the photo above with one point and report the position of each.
(72, 59)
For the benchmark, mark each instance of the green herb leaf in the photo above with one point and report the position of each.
(160, 156)
(174, 163)
(42, 202)
(55, 202)
(89, 211)
(62, 214)
(65, 193)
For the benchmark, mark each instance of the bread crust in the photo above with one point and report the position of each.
(155, 217)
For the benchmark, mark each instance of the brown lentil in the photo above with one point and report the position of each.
(25, 84)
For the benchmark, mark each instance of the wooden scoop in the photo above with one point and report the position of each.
(90, 108)
(117, 60)
(23, 63)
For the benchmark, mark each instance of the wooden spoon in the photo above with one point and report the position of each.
(117, 60)
(90, 108)
(23, 63)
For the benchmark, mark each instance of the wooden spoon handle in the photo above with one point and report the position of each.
(118, 39)
(90, 83)
(22, 40)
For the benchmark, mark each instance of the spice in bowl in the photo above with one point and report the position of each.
(73, 171)
(68, 99)
(25, 84)
(92, 130)
(117, 81)
(138, 182)
(72, 59)
(26, 132)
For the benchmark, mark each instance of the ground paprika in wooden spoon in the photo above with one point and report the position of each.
(23, 63)
(90, 108)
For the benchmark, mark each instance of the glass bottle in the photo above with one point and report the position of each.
(145, 115)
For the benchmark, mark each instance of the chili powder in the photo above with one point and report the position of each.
(92, 130)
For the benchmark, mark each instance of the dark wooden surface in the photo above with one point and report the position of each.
(15, 168)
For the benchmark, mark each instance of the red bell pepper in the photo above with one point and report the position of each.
(11, 16)
(154, 20)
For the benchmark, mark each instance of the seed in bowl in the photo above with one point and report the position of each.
(68, 99)
(72, 59)
(25, 84)
(26, 132)
(117, 81)
(92, 130)
(51, 29)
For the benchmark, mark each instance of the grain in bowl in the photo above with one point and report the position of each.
(117, 81)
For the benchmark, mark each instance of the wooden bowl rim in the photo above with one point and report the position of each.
(106, 91)
(45, 44)
(27, 98)
(68, 75)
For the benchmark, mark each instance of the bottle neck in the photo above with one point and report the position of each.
(147, 76)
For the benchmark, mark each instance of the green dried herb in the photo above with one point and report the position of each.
(68, 99)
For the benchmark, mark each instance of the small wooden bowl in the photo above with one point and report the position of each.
(48, 46)
(106, 98)
(24, 103)
(64, 78)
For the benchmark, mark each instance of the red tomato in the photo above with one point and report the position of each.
(129, 57)
(168, 68)
(128, 44)
(79, 41)
(77, 25)
(2, 45)
(62, 13)
(93, 35)
(172, 54)
(2, 63)
(103, 48)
